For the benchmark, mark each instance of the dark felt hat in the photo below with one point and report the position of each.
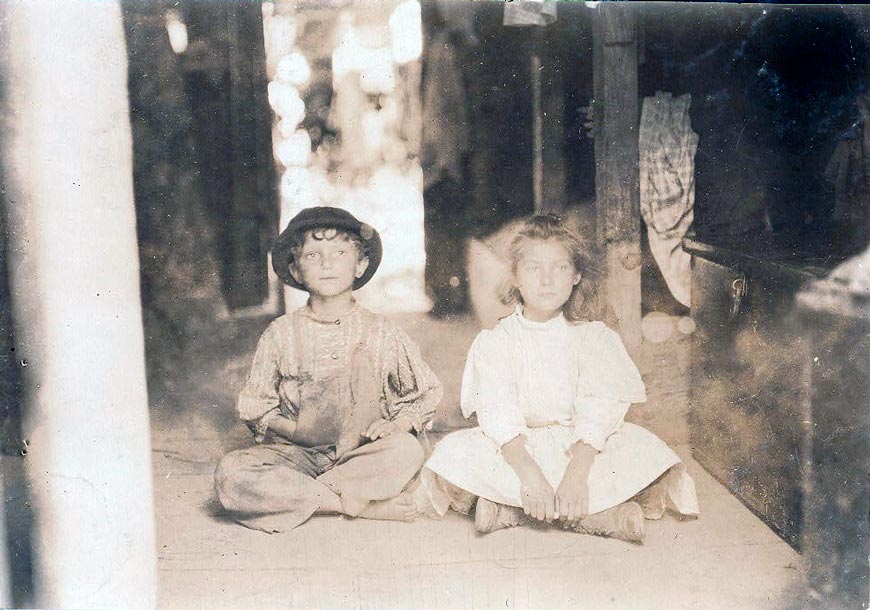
(324, 217)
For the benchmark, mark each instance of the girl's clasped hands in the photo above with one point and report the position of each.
(568, 503)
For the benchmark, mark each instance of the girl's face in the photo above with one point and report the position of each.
(545, 276)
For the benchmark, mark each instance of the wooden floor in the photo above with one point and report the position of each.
(725, 559)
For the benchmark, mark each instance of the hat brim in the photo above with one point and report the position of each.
(282, 251)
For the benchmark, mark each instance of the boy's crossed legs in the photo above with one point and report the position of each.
(278, 486)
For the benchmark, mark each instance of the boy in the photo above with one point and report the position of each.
(334, 395)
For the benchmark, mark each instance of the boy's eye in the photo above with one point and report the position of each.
(311, 255)
(340, 253)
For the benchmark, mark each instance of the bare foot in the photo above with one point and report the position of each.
(397, 508)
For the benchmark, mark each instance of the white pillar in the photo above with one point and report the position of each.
(5, 573)
(67, 156)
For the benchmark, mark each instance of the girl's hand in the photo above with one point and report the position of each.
(572, 497)
(538, 498)
(535, 490)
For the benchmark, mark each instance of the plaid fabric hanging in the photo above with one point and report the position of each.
(529, 12)
(666, 147)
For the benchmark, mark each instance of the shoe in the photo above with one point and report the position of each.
(490, 516)
(624, 522)
(653, 500)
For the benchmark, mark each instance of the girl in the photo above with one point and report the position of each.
(551, 394)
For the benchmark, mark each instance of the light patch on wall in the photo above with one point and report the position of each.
(294, 150)
(393, 202)
(686, 325)
(374, 65)
(293, 69)
(657, 327)
(376, 74)
(296, 186)
(406, 29)
(285, 101)
(177, 31)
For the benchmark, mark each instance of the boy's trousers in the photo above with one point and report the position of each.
(277, 486)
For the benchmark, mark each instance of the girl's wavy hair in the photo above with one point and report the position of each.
(542, 227)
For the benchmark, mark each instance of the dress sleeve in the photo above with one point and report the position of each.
(412, 389)
(258, 401)
(595, 419)
(608, 383)
(489, 389)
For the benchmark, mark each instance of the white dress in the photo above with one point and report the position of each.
(554, 383)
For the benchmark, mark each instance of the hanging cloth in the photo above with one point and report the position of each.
(667, 147)
(529, 12)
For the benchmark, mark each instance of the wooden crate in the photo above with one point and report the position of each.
(749, 385)
(836, 536)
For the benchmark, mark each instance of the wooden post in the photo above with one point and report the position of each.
(553, 137)
(615, 111)
(254, 212)
(537, 130)
(67, 158)
(226, 84)
(548, 132)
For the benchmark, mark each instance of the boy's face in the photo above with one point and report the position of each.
(328, 267)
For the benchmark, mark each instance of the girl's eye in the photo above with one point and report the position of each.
(311, 255)
(340, 252)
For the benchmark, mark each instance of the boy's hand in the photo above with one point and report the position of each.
(283, 426)
(384, 427)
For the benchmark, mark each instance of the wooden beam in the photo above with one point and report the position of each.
(548, 130)
(537, 131)
(254, 211)
(615, 111)
(553, 143)
(232, 122)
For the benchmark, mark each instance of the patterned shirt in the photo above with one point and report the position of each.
(409, 388)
